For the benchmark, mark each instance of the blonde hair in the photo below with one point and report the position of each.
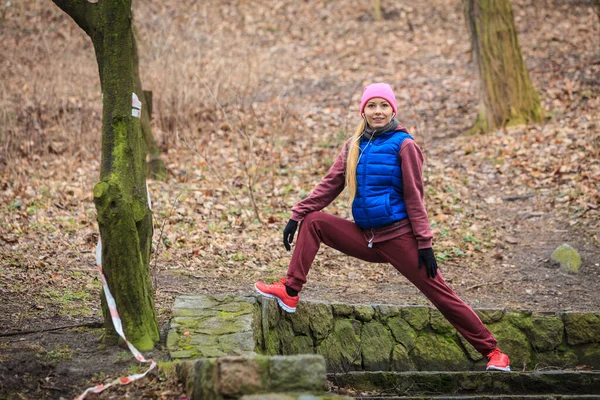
(352, 160)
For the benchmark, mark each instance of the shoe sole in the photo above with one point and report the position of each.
(279, 301)
(493, 368)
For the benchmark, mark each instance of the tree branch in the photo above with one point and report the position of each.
(81, 11)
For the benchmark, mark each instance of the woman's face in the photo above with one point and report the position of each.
(378, 112)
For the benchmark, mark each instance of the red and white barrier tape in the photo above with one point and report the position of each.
(112, 306)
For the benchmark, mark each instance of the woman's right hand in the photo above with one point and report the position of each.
(288, 233)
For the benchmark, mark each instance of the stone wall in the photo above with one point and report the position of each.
(376, 338)
(391, 338)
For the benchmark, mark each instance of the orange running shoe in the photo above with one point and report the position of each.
(276, 290)
(498, 361)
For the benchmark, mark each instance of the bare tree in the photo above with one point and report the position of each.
(507, 96)
(124, 217)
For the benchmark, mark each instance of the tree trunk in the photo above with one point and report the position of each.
(507, 96)
(155, 167)
(377, 7)
(124, 219)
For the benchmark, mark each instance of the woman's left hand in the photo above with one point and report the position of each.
(427, 257)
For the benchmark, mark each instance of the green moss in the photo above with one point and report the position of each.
(568, 258)
(321, 320)
(513, 342)
(435, 352)
(546, 333)
(342, 349)
(417, 317)
(440, 324)
(377, 343)
(364, 313)
(303, 345)
(556, 358)
(99, 189)
(300, 319)
(401, 360)
(490, 316)
(402, 332)
(582, 328)
(342, 310)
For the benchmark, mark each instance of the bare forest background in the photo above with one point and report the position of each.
(252, 100)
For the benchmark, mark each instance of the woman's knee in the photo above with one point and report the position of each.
(314, 216)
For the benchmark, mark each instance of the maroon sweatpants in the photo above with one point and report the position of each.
(402, 253)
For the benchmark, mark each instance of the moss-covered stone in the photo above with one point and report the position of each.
(224, 324)
(259, 341)
(440, 324)
(183, 354)
(199, 377)
(490, 316)
(301, 318)
(377, 344)
(342, 349)
(513, 342)
(193, 302)
(321, 320)
(241, 375)
(402, 332)
(546, 333)
(285, 333)
(302, 372)
(342, 310)
(416, 316)
(582, 328)
(590, 355)
(384, 312)
(236, 307)
(568, 258)
(273, 312)
(473, 354)
(240, 343)
(364, 313)
(556, 358)
(272, 343)
(521, 319)
(172, 339)
(401, 360)
(438, 353)
(303, 345)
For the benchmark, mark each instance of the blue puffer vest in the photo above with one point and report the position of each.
(378, 201)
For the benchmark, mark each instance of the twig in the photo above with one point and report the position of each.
(531, 215)
(159, 241)
(96, 324)
(520, 197)
(484, 284)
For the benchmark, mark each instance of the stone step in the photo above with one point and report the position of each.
(430, 383)
(490, 397)
(234, 377)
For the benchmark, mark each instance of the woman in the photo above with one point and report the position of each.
(381, 166)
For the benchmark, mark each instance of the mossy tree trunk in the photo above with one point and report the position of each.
(507, 96)
(124, 217)
(155, 167)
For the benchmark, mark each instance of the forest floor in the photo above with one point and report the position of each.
(270, 92)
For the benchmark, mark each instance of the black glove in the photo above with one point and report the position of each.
(427, 257)
(288, 233)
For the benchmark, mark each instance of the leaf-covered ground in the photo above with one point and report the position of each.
(252, 101)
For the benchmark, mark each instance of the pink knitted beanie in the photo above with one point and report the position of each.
(382, 90)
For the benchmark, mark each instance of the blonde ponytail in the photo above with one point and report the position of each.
(352, 161)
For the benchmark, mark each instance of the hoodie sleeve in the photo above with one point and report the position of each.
(411, 161)
(326, 191)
